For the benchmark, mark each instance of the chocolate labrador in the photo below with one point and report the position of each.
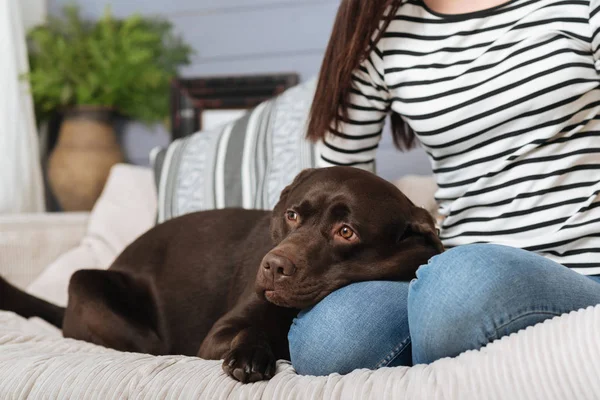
(226, 284)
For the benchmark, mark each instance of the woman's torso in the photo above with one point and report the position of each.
(506, 102)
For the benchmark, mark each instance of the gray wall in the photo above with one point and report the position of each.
(239, 37)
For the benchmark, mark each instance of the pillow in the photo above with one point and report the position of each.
(125, 210)
(245, 163)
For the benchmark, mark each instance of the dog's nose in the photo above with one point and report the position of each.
(278, 265)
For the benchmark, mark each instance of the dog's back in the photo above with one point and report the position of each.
(209, 260)
(178, 279)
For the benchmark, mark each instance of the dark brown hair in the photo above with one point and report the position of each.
(356, 23)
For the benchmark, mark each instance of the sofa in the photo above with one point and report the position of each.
(556, 359)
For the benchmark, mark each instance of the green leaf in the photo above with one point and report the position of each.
(124, 63)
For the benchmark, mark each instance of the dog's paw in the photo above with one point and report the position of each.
(250, 363)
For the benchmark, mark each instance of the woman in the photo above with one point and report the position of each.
(504, 97)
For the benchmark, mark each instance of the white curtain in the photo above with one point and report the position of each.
(21, 185)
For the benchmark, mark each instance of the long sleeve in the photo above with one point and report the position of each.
(356, 141)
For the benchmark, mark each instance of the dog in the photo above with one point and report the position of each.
(226, 284)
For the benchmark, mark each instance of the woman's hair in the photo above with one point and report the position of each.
(352, 41)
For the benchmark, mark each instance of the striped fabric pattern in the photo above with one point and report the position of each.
(505, 102)
(245, 163)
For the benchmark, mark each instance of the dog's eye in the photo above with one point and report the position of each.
(346, 232)
(292, 216)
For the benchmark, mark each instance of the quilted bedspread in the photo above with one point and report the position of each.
(558, 359)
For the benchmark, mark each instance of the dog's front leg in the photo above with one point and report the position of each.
(249, 339)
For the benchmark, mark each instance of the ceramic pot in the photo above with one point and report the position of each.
(86, 150)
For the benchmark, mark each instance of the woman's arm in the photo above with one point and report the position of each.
(355, 141)
(594, 19)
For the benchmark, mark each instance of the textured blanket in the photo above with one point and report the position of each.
(558, 359)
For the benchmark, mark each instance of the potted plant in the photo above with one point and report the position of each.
(92, 72)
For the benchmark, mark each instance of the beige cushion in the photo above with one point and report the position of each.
(420, 189)
(125, 210)
(554, 360)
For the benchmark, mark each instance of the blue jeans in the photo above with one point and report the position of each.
(462, 299)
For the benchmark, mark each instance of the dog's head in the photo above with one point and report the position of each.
(334, 226)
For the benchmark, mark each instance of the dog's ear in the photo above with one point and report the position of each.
(305, 173)
(278, 227)
(423, 224)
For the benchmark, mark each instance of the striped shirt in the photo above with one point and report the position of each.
(505, 102)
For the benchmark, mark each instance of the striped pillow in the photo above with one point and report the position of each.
(245, 163)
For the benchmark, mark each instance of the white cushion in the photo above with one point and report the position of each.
(554, 360)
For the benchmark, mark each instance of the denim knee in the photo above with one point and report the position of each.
(462, 296)
(363, 325)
